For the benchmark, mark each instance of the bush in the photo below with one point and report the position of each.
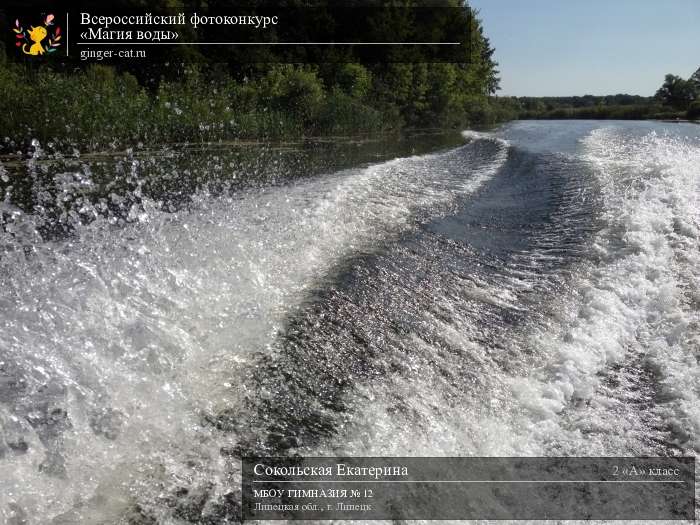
(354, 80)
(342, 113)
(291, 89)
(694, 111)
(100, 108)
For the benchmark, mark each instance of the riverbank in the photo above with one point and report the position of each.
(609, 107)
(101, 108)
(608, 113)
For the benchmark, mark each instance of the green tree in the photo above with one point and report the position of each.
(695, 77)
(694, 111)
(293, 89)
(354, 80)
(677, 92)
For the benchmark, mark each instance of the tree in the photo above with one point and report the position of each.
(695, 79)
(694, 111)
(677, 92)
(354, 80)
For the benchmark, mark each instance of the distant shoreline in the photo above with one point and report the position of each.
(669, 120)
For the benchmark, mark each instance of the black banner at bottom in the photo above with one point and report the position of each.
(648, 488)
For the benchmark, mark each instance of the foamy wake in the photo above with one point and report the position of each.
(117, 343)
(636, 310)
(614, 368)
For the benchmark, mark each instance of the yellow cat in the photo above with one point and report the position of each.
(36, 34)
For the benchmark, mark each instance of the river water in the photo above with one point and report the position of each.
(532, 291)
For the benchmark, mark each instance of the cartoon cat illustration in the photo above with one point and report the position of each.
(36, 34)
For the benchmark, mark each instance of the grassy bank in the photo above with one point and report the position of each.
(632, 112)
(100, 108)
(676, 99)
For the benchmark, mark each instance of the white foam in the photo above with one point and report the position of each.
(635, 309)
(633, 306)
(154, 323)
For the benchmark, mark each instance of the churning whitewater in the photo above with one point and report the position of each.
(535, 291)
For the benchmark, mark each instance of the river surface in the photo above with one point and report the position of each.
(532, 291)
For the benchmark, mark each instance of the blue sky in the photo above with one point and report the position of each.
(597, 47)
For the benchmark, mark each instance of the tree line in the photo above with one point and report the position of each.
(681, 94)
(677, 98)
(180, 99)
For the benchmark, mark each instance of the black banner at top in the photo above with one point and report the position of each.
(233, 32)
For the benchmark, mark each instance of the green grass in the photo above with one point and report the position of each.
(100, 108)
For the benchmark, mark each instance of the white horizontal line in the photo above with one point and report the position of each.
(469, 481)
(269, 43)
